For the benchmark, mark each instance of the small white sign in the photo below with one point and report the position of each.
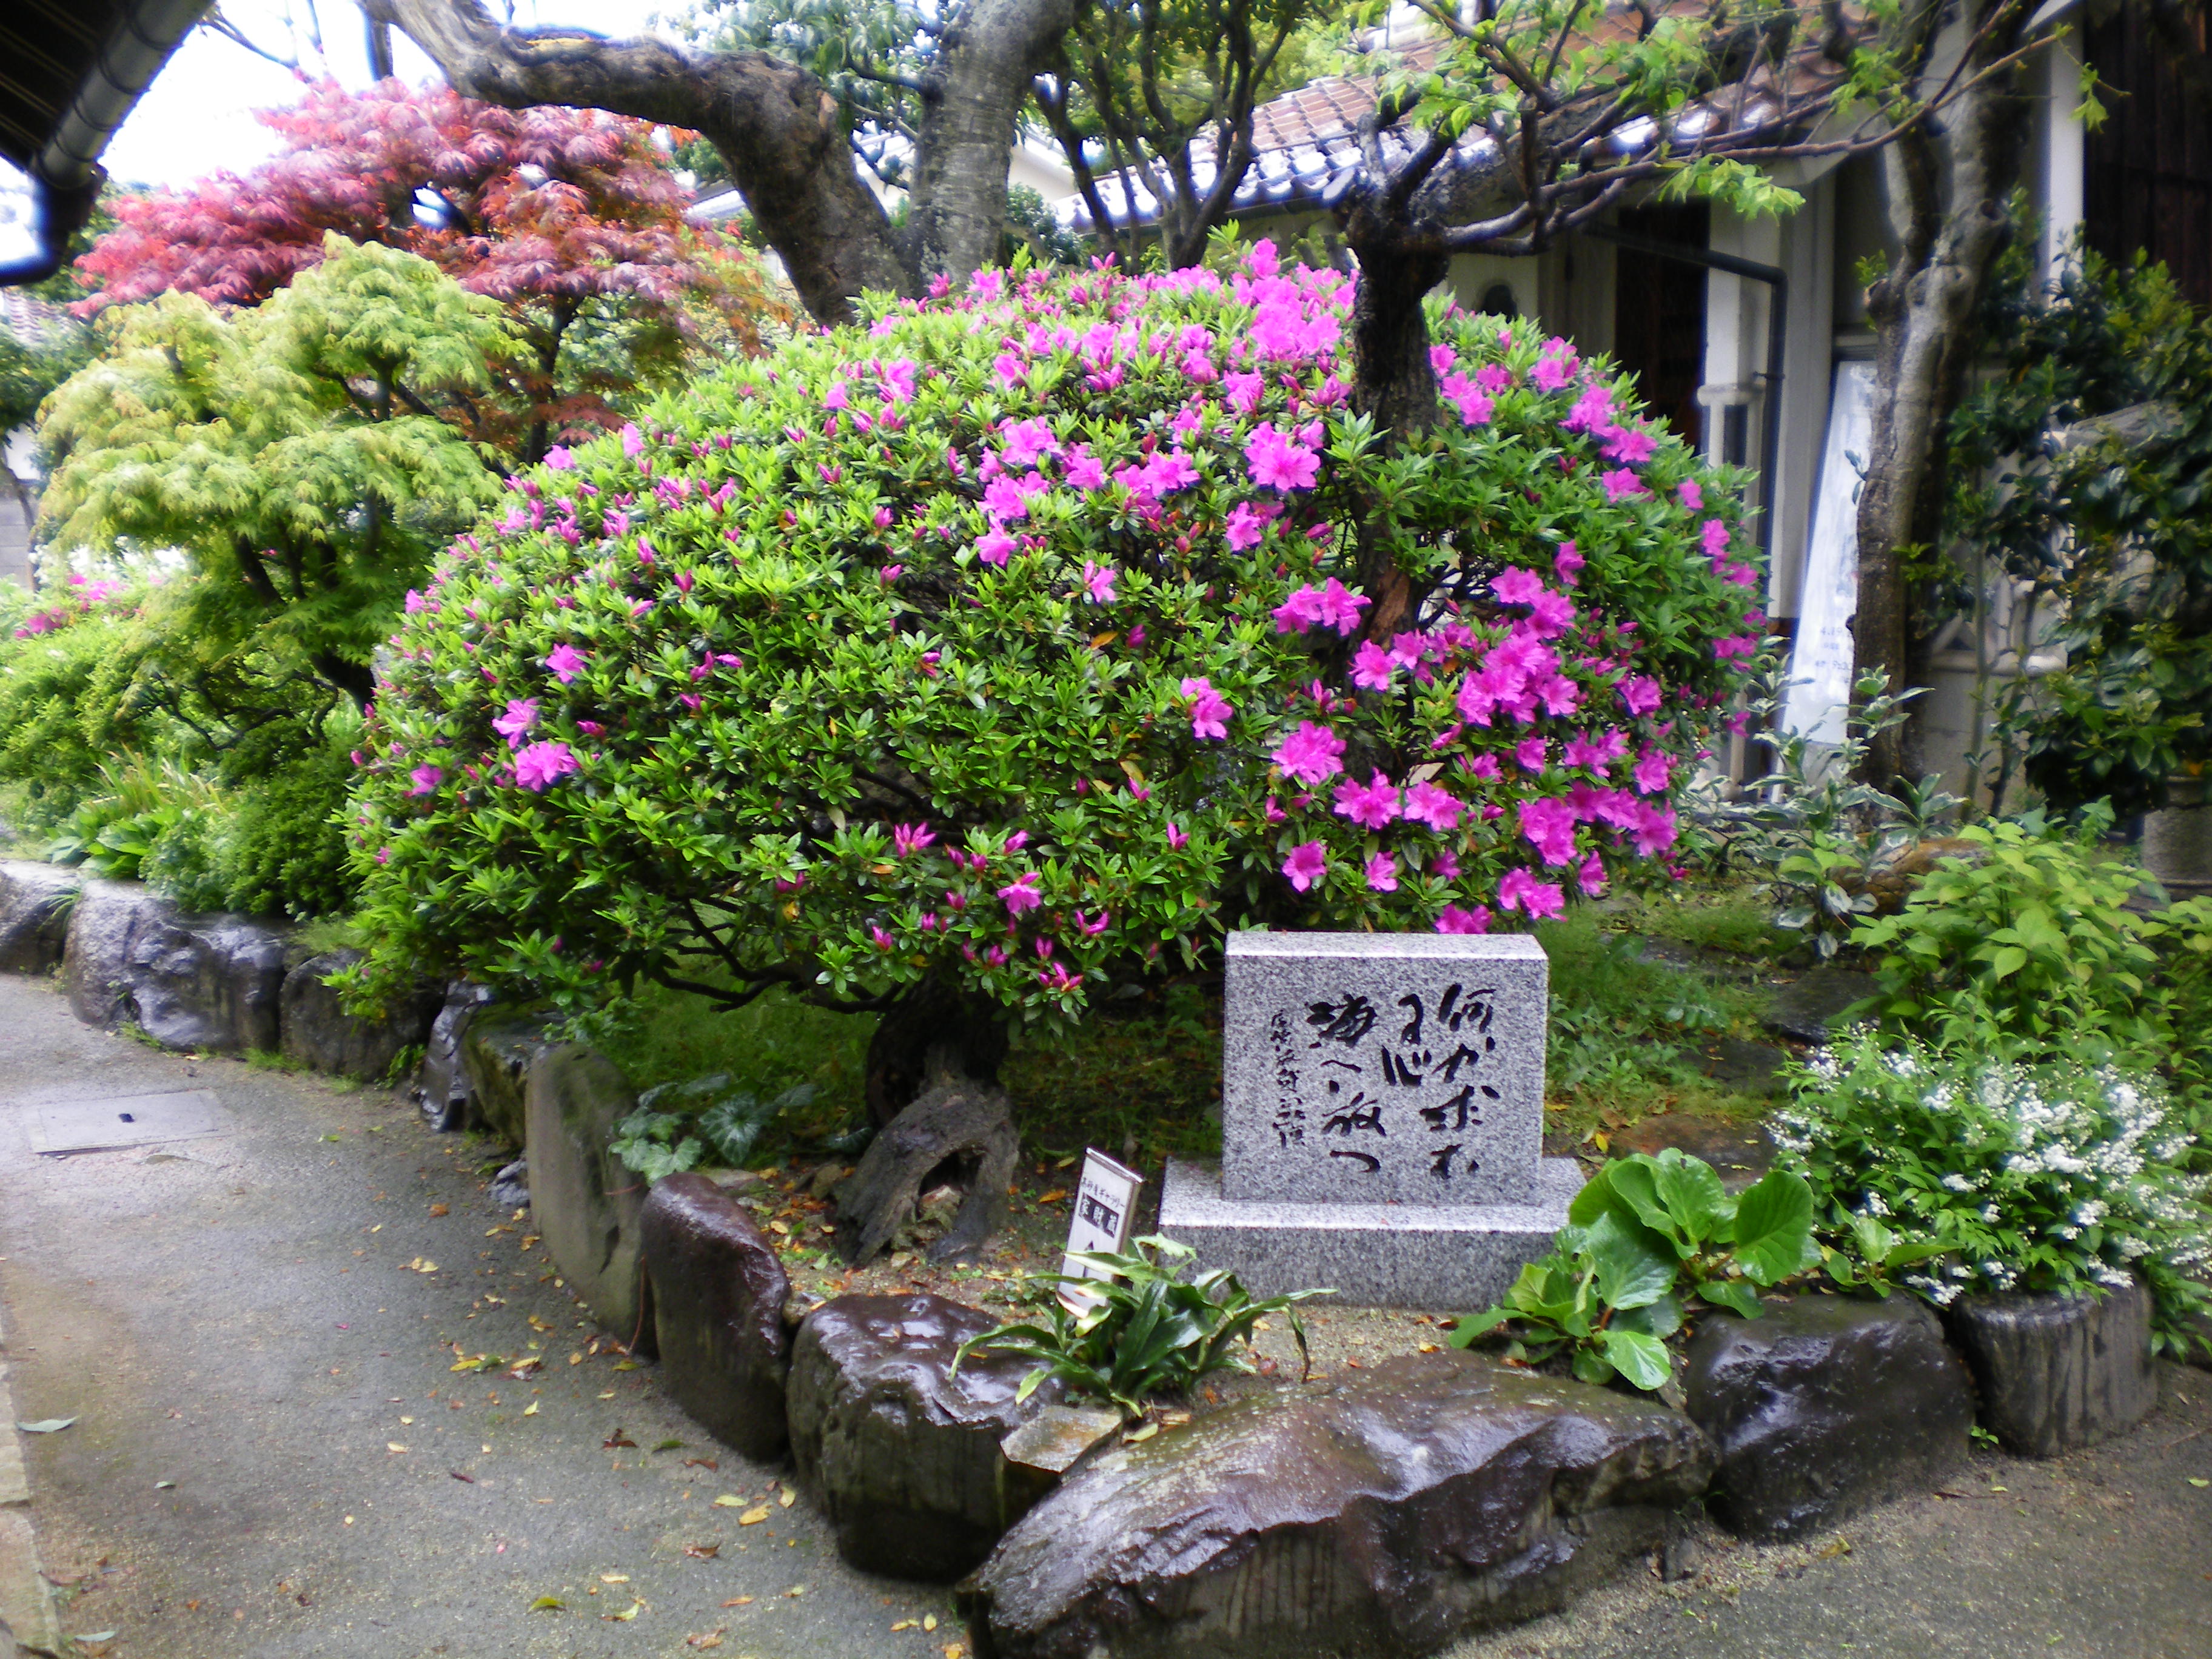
(1105, 1209)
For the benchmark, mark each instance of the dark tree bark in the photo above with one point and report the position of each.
(989, 57)
(1947, 193)
(771, 121)
(932, 1028)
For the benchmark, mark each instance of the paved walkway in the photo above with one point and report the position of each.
(247, 1328)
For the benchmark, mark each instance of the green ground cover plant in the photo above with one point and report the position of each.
(2044, 1173)
(1150, 1328)
(1649, 1239)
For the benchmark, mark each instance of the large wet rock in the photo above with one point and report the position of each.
(104, 925)
(2058, 1372)
(586, 1203)
(495, 1057)
(212, 983)
(903, 1455)
(718, 1297)
(317, 1033)
(34, 904)
(443, 1087)
(1822, 1406)
(1386, 1514)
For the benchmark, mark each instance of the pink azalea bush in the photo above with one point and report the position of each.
(1016, 638)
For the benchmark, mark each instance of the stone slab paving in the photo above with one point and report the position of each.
(235, 1314)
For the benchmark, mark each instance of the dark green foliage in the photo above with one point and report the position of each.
(2084, 469)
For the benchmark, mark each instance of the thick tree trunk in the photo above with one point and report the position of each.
(932, 1030)
(1394, 383)
(1948, 203)
(773, 123)
(989, 58)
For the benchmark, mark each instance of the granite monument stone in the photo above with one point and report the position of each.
(1382, 1102)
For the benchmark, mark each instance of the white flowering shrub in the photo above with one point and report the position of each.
(2041, 1176)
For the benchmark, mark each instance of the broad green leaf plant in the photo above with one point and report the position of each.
(1145, 1330)
(1649, 1239)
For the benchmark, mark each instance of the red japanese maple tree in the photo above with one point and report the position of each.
(572, 219)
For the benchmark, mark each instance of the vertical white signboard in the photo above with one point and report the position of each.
(1105, 1209)
(1819, 692)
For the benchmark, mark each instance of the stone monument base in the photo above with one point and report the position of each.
(1446, 1258)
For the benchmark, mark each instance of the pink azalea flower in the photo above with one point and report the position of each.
(1591, 875)
(1278, 460)
(882, 940)
(1247, 527)
(1537, 899)
(426, 779)
(1692, 493)
(1445, 865)
(1654, 771)
(522, 714)
(1493, 378)
(1549, 826)
(1310, 754)
(1531, 753)
(1209, 709)
(1371, 806)
(542, 764)
(1371, 667)
(384, 855)
(1382, 873)
(1022, 895)
(1306, 864)
(1639, 695)
(1551, 614)
(1453, 920)
(1027, 442)
(1300, 612)
(559, 458)
(994, 546)
(1003, 498)
(1340, 607)
(566, 662)
(1085, 470)
(1177, 839)
(1098, 581)
(1713, 536)
(1241, 393)
(1514, 586)
(1622, 485)
(684, 579)
(1439, 809)
(1632, 444)
(1654, 831)
(908, 838)
(1569, 562)
(1735, 645)
(1467, 397)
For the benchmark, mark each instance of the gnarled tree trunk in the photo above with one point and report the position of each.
(1947, 194)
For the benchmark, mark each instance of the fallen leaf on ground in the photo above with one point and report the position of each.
(393, 1446)
(94, 1636)
(614, 1579)
(929, 1621)
(625, 1365)
(786, 1498)
(2194, 1481)
(752, 1517)
(702, 1551)
(635, 1608)
(738, 1601)
(575, 1359)
(955, 1650)
(703, 1463)
(438, 1210)
(469, 1480)
(1054, 1196)
(46, 1425)
(670, 1445)
(796, 1589)
(609, 1394)
(530, 1410)
(521, 1368)
(620, 1437)
(547, 1604)
(905, 1624)
(712, 1638)
(729, 1500)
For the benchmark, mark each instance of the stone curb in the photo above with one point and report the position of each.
(26, 1611)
